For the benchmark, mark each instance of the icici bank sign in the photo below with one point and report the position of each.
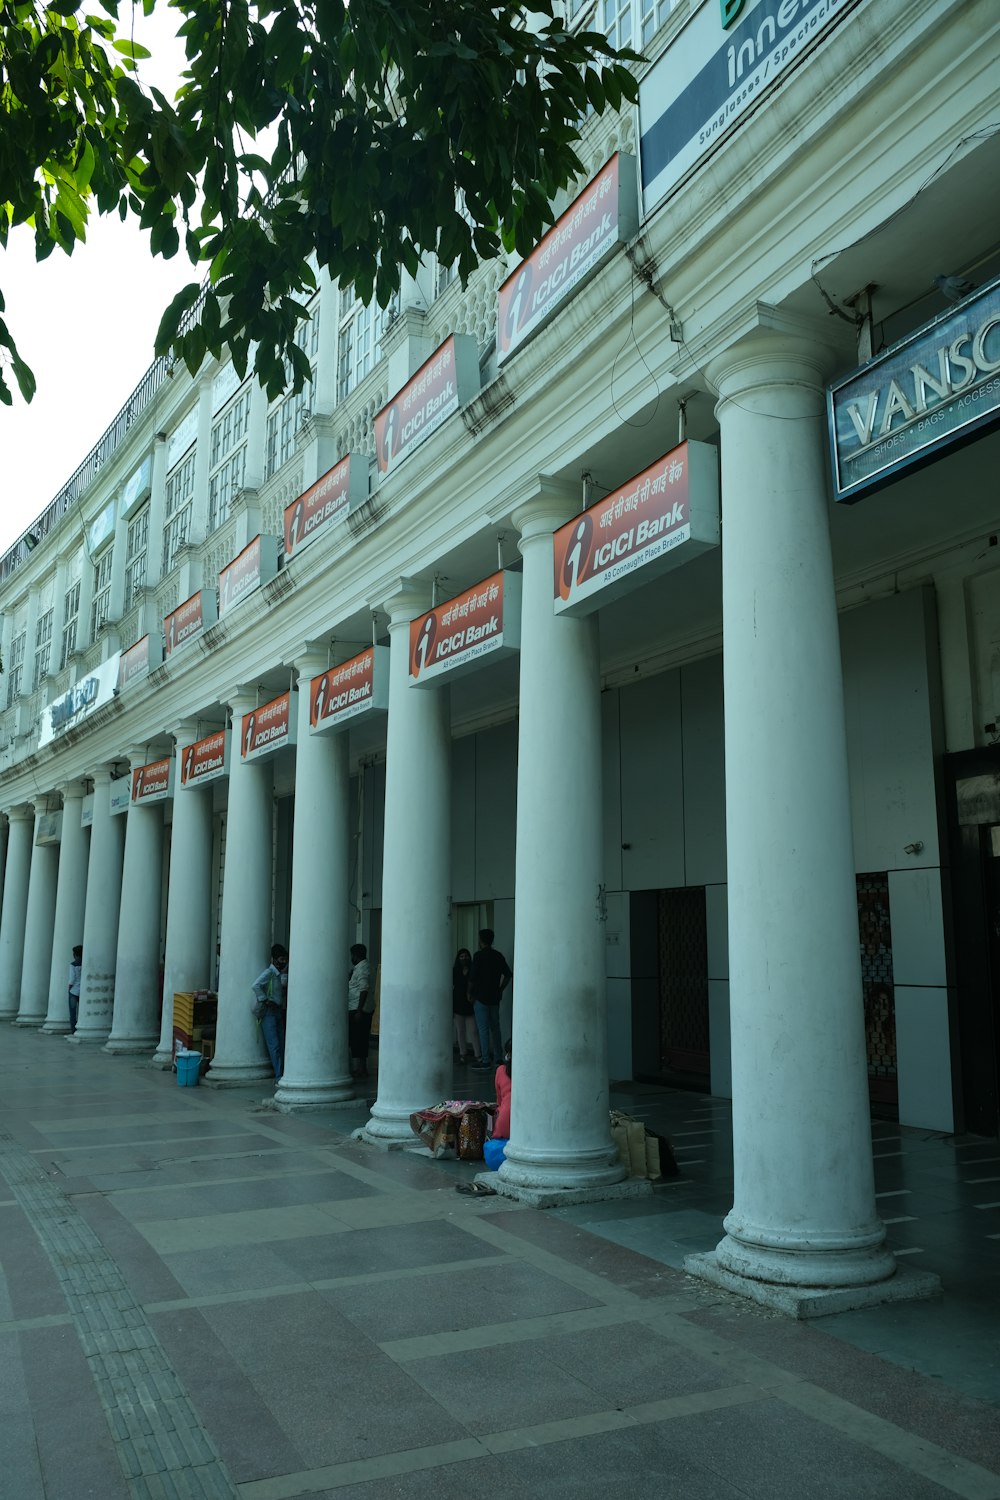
(153, 782)
(445, 382)
(662, 517)
(456, 636)
(267, 728)
(328, 500)
(359, 686)
(205, 760)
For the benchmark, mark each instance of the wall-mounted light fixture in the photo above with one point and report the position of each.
(915, 848)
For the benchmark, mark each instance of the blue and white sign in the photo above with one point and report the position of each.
(82, 700)
(708, 79)
(934, 389)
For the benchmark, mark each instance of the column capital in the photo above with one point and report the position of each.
(772, 357)
(405, 599)
(310, 657)
(554, 502)
(21, 813)
(72, 790)
(185, 732)
(240, 700)
(100, 774)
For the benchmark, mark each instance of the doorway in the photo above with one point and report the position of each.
(972, 790)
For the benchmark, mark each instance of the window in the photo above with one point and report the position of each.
(628, 23)
(227, 456)
(177, 507)
(16, 669)
(43, 648)
(101, 606)
(70, 616)
(616, 20)
(358, 349)
(135, 556)
(285, 416)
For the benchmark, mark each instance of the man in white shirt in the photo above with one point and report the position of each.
(360, 1005)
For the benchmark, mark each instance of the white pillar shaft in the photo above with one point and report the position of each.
(187, 963)
(100, 922)
(804, 1209)
(246, 919)
(36, 970)
(560, 1131)
(15, 907)
(316, 1062)
(136, 1023)
(415, 1018)
(71, 897)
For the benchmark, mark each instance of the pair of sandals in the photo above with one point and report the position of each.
(475, 1190)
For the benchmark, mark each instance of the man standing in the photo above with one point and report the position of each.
(360, 1005)
(488, 979)
(271, 990)
(75, 970)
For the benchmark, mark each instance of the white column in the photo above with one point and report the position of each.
(15, 906)
(414, 1050)
(100, 921)
(317, 1072)
(246, 912)
(71, 896)
(3, 853)
(560, 1129)
(39, 917)
(804, 1210)
(187, 963)
(136, 1023)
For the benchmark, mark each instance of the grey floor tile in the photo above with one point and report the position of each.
(207, 1199)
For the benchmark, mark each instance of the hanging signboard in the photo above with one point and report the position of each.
(709, 78)
(138, 660)
(195, 614)
(81, 701)
(48, 828)
(328, 500)
(121, 795)
(155, 782)
(604, 216)
(933, 390)
(267, 728)
(87, 811)
(205, 760)
(137, 486)
(454, 637)
(660, 519)
(358, 686)
(256, 564)
(445, 382)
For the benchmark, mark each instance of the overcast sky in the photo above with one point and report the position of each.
(85, 324)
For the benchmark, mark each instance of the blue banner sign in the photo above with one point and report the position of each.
(934, 389)
(709, 78)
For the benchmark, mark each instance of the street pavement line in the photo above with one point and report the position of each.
(156, 1432)
(415, 1460)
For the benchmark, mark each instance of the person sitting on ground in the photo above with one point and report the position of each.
(495, 1148)
(271, 989)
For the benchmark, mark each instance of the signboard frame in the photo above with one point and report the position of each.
(216, 751)
(267, 719)
(354, 688)
(436, 658)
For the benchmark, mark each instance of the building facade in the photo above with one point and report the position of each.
(536, 611)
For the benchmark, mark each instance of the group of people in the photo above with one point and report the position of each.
(270, 990)
(478, 983)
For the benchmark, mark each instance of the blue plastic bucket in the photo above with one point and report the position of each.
(188, 1068)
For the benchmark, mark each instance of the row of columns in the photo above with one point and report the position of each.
(804, 1209)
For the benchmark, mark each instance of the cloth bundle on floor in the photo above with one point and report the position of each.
(455, 1124)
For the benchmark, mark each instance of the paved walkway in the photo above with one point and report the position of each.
(200, 1298)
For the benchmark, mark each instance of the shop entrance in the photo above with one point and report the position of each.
(467, 918)
(973, 803)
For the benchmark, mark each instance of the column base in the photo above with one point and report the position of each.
(812, 1301)
(55, 1028)
(87, 1038)
(162, 1060)
(8, 1015)
(129, 1046)
(383, 1142)
(555, 1197)
(232, 1077)
(38, 1021)
(389, 1129)
(548, 1173)
(293, 1098)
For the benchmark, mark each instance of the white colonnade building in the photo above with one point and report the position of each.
(639, 600)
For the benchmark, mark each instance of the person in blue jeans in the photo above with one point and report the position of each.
(271, 988)
(488, 978)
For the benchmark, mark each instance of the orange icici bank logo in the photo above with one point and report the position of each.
(574, 550)
(422, 643)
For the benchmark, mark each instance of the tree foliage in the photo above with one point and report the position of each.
(391, 128)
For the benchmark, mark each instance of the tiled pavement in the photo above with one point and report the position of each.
(199, 1297)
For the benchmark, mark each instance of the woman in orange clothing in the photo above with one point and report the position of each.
(493, 1150)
